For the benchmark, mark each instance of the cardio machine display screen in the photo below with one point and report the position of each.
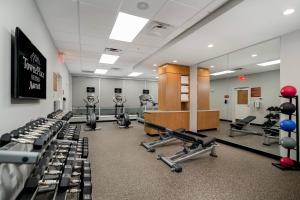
(118, 90)
(90, 89)
(29, 69)
(145, 91)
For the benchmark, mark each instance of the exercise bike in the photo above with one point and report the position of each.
(121, 116)
(90, 104)
(145, 98)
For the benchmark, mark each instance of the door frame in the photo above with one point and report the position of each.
(235, 100)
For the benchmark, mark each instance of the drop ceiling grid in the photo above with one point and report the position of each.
(96, 21)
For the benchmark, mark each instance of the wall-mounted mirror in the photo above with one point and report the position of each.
(245, 88)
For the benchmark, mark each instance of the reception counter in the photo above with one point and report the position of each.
(206, 119)
(168, 119)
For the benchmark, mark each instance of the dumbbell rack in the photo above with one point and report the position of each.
(37, 161)
(296, 114)
(268, 138)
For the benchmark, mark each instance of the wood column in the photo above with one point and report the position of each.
(203, 88)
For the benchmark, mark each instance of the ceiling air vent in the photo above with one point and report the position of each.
(159, 29)
(238, 69)
(115, 68)
(87, 71)
(112, 50)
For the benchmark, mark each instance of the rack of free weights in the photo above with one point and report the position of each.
(290, 129)
(46, 167)
(270, 126)
(60, 114)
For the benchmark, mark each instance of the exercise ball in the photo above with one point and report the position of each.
(287, 108)
(287, 125)
(288, 91)
(286, 162)
(288, 143)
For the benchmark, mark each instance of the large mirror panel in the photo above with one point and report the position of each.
(245, 88)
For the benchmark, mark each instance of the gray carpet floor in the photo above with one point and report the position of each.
(248, 140)
(123, 170)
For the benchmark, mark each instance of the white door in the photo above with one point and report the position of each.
(242, 103)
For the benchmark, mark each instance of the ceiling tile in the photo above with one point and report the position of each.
(175, 14)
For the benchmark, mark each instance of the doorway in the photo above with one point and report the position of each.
(241, 103)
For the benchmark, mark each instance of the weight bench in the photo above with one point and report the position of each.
(242, 127)
(165, 136)
(197, 145)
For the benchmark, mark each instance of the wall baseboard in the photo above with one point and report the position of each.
(262, 153)
(225, 120)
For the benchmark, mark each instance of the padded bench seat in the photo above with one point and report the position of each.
(193, 138)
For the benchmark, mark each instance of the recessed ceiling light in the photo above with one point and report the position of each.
(142, 5)
(100, 71)
(135, 74)
(212, 66)
(222, 72)
(127, 27)
(155, 65)
(156, 77)
(154, 70)
(273, 62)
(108, 59)
(210, 45)
(253, 55)
(288, 11)
(174, 61)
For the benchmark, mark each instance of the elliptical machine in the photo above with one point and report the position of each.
(121, 116)
(90, 104)
(145, 98)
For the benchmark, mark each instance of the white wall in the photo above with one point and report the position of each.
(24, 14)
(290, 67)
(270, 86)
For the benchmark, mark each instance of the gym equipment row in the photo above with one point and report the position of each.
(59, 114)
(193, 145)
(121, 116)
(145, 98)
(48, 160)
(290, 125)
(90, 103)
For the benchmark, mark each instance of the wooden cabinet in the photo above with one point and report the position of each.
(208, 119)
(169, 87)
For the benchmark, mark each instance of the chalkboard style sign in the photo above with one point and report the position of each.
(29, 69)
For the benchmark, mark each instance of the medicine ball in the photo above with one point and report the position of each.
(287, 108)
(287, 125)
(286, 162)
(288, 91)
(288, 143)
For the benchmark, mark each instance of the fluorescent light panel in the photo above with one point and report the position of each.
(135, 74)
(273, 62)
(288, 11)
(127, 27)
(108, 59)
(100, 71)
(222, 72)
